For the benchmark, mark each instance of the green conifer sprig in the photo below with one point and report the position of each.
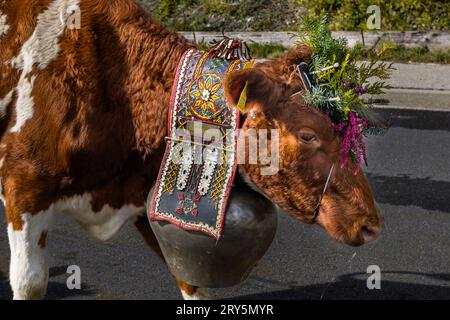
(348, 81)
(338, 83)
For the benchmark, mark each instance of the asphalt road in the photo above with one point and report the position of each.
(409, 172)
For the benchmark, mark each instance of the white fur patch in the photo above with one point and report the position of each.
(4, 27)
(28, 266)
(2, 198)
(200, 294)
(43, 47)
(4, 103)
(25, 103)
(101, 225)
(40, 49)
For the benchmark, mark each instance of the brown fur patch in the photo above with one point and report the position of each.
(186, 288)
(43, 240)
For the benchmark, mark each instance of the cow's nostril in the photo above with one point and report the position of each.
(370, 233)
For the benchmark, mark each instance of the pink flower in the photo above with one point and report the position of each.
(353, 139)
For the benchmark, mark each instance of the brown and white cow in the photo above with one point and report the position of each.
(83, 120)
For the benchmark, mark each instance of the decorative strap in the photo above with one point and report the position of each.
(197, 173)
(230, 49)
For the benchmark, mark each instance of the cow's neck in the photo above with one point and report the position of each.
(152, 53)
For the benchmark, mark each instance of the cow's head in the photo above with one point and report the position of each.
(309, 146)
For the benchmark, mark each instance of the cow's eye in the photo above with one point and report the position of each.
(308, 138)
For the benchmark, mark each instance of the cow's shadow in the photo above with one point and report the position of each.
(55, 291)
(348, 287)
(5, 289)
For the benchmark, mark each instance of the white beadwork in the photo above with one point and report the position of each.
(186, 166)
(208, 170)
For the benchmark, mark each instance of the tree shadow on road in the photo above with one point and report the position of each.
(418, 120)
(55, 291)
(348, 287)
(405, 191)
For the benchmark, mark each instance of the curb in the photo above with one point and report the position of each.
(433, 40)
(414, 108)
(416, 99)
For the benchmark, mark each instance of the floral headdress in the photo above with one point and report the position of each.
(337, 83)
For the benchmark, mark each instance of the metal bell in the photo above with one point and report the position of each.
(200, 260)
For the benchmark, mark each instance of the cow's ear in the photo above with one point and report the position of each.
(298, 55)
(249, 85)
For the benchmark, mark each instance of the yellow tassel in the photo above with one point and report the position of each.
(249, 64)
(243, 97)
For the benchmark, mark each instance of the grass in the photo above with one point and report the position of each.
(420, 54)
(417, 54)
(266, 51)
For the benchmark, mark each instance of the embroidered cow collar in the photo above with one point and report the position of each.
(199, 164)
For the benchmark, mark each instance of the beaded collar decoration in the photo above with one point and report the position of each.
(199, 164)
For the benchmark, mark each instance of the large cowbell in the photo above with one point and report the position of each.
(201, 260)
